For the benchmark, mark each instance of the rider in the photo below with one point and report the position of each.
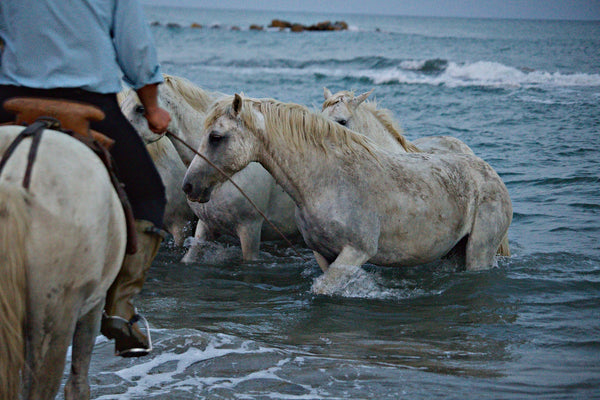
(79, 50)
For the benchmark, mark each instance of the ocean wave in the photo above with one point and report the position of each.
(433, 65)
(437, 72)
(480, 73)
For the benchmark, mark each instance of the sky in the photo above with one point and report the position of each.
(527, 9)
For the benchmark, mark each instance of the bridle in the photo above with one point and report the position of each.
(177, 138)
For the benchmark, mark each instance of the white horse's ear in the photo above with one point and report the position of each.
(327, 93)
(237, 104)
(359, 99)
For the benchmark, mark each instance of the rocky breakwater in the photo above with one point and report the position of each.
(319, 26)
(276, 23)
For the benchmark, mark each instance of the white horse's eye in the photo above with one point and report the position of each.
(140, 109)
(342, 122)
(214, 138)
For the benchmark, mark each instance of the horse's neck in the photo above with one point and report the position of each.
(300, 173)
(290, 172)
(190, 124)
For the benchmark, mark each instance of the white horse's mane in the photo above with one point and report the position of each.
(196, 97)
(159, 149)
(294, 126)
(124, 94)
(199, 99)
(382, 115)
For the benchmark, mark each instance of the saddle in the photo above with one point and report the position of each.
(73, 119)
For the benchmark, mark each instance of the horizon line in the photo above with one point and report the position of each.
(233, 8)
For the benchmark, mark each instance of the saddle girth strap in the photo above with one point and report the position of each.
(34, 131)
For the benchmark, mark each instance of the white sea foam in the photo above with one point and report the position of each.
(147, 376)
(353, 281)
(414, 65)
(480, 73)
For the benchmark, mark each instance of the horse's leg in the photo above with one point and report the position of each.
(484, 239)
(249, 235)
(48, 338)
(322, 261)
(504, 248)
(343, 272)
(180, 227)
(201, 235)
(87, 328)
(177, 230)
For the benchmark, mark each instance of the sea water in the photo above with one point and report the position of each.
(524, 95)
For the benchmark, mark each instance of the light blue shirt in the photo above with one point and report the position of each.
(88, 44)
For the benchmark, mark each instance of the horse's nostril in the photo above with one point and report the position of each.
(187, 188)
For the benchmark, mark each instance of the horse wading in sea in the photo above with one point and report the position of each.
(228, 212)
(366, 117)
(355, 201)
(62, 243)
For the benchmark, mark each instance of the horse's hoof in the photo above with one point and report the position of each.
(346, 281)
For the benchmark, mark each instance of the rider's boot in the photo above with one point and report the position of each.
(120, 320)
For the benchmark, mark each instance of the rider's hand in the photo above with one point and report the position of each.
(158, 119)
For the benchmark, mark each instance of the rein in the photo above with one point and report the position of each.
(155, 140)
(172, 135)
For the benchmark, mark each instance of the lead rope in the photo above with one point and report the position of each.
(171, 134)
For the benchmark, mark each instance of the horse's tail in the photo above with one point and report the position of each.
(14, 222)
(503, 249)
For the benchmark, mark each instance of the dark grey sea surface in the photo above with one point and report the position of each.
(524, 95)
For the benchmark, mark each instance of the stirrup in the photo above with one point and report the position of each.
(138, 351)
(132, 351)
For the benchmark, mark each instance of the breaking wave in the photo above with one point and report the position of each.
(437, 72)
(481, 73)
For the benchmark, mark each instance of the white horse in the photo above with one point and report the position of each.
(187, 105)
(62, 243)
(363, 116)
(357, 202)
(179, 217)
(378, 124)
(228, 212)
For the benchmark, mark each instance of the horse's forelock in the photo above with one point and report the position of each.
(219, 108)
(342, 96)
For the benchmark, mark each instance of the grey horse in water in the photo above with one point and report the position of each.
(357, 202)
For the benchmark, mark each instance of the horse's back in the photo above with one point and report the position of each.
(77, 224)
(442, 144)
(442, 194)
(461, 178)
